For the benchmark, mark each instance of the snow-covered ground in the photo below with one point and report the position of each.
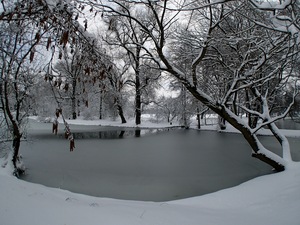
(267, 200)
(148, 124)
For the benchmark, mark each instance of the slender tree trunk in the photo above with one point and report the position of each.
(138, 103)
(198, 118)
(121, 114)
(17, 135)
(101, 106)
(234, 105)
(16, 148)
(138, 112)
(184, 108)
(222, 123)
(252, 119)
(73, 98)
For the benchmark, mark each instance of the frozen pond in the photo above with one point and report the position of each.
(288, 124)
(159, 166)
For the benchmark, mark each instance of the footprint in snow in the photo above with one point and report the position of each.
(94, 204)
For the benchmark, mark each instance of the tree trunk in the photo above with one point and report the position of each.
(222, 123)
(73, 98)
(121, 114)
(198, 118)
(137, 133)
(253, 141)
(138, 103)
(101, 106)
(16, 148)
(17, 135)
(184, 108)
(278, 167)
(258, 151)
(138, 112)
(252, 119)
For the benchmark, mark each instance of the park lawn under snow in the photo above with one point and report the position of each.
(267, 200)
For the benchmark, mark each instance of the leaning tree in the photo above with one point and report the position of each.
(265, 62)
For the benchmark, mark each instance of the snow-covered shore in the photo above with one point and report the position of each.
(267, 200)
(147, 124)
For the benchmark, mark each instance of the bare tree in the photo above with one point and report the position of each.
(24, 25)
(17, 47)
(125, 33)
(274, 57)
(256, 70)
(70, 67)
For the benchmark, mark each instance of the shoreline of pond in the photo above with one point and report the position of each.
(186, 164)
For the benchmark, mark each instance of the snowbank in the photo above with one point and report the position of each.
(268, 200)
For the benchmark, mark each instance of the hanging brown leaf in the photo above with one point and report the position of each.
(60, 55)
(66, 134)
(72, 143)
(54, 128)
(31, 55)
(37, 36)
(101, 75)
(64, 38)
(87, 70)
(121, 84)
(85, 25)
(10, 16)
(43, 19)
(48, 43)
(57, 112)
(66, 87)
(59, 82)
(54, 19)
(29, 10)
